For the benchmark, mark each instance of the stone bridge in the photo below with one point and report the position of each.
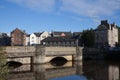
(41, 54)
(46, 54)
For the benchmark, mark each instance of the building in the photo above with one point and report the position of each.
(59, 41)
(60, 34)
(36, 38)
(106, 35)
(18, 37)
(27, 40)
(77, 36)
(62, 39)
(5, 40)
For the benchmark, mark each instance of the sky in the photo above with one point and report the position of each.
(57, 15)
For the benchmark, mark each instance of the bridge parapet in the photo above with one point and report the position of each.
(60, 50)
(19, 51)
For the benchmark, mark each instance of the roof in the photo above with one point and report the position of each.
(27, 35)
(18, 30)
(102, 27)
(3, 35)
(58, 39)
(105, 25)
(77, 33)
(57, 33)
(37, 34)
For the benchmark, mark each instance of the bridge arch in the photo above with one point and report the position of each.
(51, 58)
(58, 61)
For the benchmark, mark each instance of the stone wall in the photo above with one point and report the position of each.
(23, 60)
(20, 49)
(60, 51)
(45, 54)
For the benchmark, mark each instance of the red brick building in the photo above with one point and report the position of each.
(18, 37)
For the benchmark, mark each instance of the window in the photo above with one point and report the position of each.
(43, 43)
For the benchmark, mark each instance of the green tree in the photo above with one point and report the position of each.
(3, 66)
(88, 38)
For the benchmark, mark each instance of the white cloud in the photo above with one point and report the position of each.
(94, 10)
(92, 7)
(39, 5)
(80, 7)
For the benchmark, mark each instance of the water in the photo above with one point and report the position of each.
(85, 70)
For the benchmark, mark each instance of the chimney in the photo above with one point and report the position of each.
(114, 24)
(104, 22)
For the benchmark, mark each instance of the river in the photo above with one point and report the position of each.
(71, 70)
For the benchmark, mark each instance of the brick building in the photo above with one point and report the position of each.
(18, 37)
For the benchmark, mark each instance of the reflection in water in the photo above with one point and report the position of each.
(47, 71)
(13, 64)
(86, 70)
(22, 68)
(101, 70)
(72, 77)
(113, 72)
(58, 61)
(42, 71)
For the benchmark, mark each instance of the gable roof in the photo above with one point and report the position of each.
(18, 30)
(37, 34)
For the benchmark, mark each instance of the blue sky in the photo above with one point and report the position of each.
(56, 15)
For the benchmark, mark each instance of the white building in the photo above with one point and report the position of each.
(27, 40)
(43, 36)
(106, 34)
(35, 38)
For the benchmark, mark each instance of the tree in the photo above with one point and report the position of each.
(3, 66)
(88, 38)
